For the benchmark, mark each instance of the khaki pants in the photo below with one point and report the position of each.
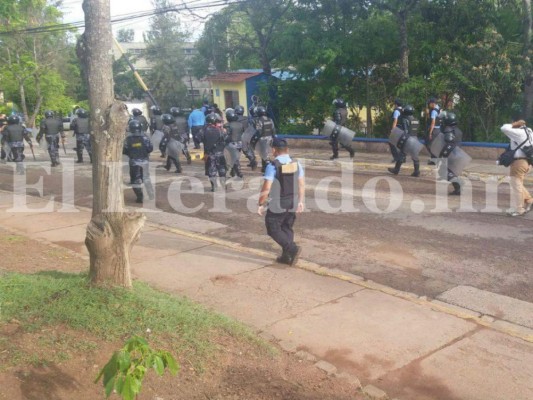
(519, 194)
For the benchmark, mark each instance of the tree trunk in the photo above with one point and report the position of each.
(112, 231)
(527, 109)
(22, 93)
(404, 46)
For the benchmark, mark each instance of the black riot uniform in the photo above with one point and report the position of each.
(137, 147)
(453, 136)
(14, 135)
(247, 148)
(80, 126)
(172, 145)
(214, 140)
(3, 123)
(340, 116)
(266, 131)
(234, 129)
(410, 126)
(156, 126)
(181, 130)
(52, 129)
(138, 116)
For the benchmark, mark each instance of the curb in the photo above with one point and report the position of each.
(487, 321)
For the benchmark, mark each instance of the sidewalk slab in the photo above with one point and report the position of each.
(40, 222)
(499, 306)
(487, 365)
(376, 334)
(159, 243)
(8, 200)
(186, 272)
(263, 296)
(182, 222)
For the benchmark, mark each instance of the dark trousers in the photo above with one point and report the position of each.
(196, 135)
(279, 228)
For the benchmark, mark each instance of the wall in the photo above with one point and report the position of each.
(221, 86)
(479, 153)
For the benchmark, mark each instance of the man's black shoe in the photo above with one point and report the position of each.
(294, 255)
(283, 259)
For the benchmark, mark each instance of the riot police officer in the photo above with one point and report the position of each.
(52, 129)
(172, 145)
(137, 147)
(156, 128)
(14, 135)
(180, 129)
(80, 126)
(138, 115)
(214, 140)
(404, 140)
(235, 130)
(455, 158)
(340, 116)
(249, 132)
(396, 114)
(266, 131)
(3, 124)
(433, 125)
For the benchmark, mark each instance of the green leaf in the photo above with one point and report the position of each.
(128, 392)
(159, 367)
(124, 361)
(109, 387)
(171, 363)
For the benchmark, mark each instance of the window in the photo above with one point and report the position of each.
(231, 98)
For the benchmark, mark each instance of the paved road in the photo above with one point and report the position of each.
(460, 256)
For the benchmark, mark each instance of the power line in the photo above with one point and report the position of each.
(122, 17)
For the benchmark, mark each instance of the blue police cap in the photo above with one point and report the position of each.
(279, 143)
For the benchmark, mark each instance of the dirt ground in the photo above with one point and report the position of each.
(58, 363)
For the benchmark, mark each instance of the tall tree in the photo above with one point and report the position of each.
(112, 231)
(165, 41)
(527, 109)
(125, 35)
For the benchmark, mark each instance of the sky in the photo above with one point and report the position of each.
(73, 13)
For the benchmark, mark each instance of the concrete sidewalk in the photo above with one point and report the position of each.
(408, 347)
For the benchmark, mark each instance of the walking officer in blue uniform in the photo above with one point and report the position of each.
(281, 198)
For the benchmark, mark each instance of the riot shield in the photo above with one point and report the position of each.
(343, 134)
(457, 161)
(156, 138)
(247, 136)
(234, 153)
(174, 148)
(265, 147)
(409, 145)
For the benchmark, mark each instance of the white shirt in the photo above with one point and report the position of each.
(517, 136)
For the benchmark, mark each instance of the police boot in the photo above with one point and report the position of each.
(91, 158)
(139, 193)
(168, 164)
(214, 184)
(396, 168)
(253, 165)
(334, 156)
(80, 157)
(416, 172)
(232, 172)
(187, 156)
(352, 152)
(177, 164)
(456, 189)
(237, 169)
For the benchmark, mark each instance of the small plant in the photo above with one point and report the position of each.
(125, 371)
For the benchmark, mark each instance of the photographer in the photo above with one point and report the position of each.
(521, 137)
